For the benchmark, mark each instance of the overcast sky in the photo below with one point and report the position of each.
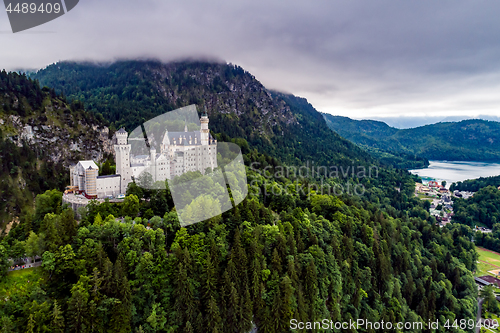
(354, 58)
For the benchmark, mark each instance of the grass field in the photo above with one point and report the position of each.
(18, 281)
(488, 261)
(423, 196)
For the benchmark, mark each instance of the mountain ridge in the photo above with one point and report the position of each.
(405, 122)
(41, 134)
(238, 104)
(467, 140)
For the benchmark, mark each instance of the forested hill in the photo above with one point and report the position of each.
(288, 251)
(40, 135)
(127, 93)
(467, 140)
(474, 185)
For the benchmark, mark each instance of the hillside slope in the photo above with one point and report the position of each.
(40, 135)
(284, 253)
(467, 140)
(286, 128)
(127, 93)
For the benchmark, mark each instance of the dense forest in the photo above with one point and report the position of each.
(482, 209)
(274, 257)
(467, 140)
(291, 250)
(474, 185)
(29, 166)
(490, 241)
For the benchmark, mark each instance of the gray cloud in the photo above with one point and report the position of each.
(350, 57)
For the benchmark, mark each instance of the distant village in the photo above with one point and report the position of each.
(441, 200)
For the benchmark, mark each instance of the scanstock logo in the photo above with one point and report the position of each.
(175, 149)
(31, 13)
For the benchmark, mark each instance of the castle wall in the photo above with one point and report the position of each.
(108, 186)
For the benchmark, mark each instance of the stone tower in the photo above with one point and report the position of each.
(204, 131)
(152, 158)
(122, 156)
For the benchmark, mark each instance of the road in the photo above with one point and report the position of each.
(478, 317)
(33, 264)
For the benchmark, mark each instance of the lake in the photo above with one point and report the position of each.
(455, 171)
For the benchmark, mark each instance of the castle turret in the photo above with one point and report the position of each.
(204, 131)
(165, 143)
(91, 181)
(122, 157)
(153, 163)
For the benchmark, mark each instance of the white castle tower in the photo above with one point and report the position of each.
(205, 133)
(122, 151)
(180, 152)
(152, 158)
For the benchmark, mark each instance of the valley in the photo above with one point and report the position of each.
(467, 140)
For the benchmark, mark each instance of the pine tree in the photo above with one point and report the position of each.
(213, 319)
(67, 226)
(188, 328)
(287, 303)
(31, 324)
(291, 245)
(246, 308)
(98, 219)
(281, 246)
(276, 262)
(302, 307)
(240, 259)
(276, 310)
(264, 321)
(120, 317)
(210, 287)
(490, 303)
(292, 271)
(231, 268)
(255, 271)
(6, 325)
(48, 229)
(184, 293)
(311, 289)
(77, 305)
(199, 325)
(108, 283)
(225, 294)
(57, 319)
(233, 310)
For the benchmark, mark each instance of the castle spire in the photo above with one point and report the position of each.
(204, 132)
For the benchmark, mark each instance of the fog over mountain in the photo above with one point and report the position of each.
(412, 122)
(352, 58)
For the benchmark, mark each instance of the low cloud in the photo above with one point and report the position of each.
(353, 58)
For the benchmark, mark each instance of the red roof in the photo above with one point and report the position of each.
(491, 279)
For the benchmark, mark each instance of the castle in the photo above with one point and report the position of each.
(180, 152)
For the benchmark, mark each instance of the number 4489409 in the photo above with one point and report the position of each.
(32, 8)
